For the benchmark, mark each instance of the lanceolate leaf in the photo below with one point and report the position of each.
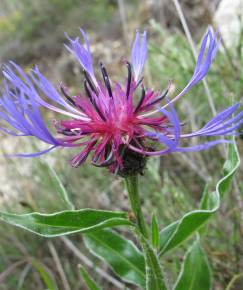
(60, 187)
(195, 273)
(66, 222)
(154, 275)
(87, 279)
(44, 274)
(179, 231)
(155, 232)
(120, 253)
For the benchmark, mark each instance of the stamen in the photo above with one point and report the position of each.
(138, 83)
(141, 100)
(91, 84)
(106, 162)
(81, 108)
(93, 101)
(158, 99)
(129, 78)
(67, 132)
(87, 91)
(67, 96)
(106, 79)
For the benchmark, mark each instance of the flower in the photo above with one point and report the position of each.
(105, 121)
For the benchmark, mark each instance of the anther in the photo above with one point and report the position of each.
(68, 132)
(138, 83)
(91, 85)
(106, 79)
(93, 101)
(141, 100)
(158, 99)
(67, 96)
(106, 162)
(129, 78)
(88, 91)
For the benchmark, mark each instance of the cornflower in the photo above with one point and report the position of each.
(105, 121)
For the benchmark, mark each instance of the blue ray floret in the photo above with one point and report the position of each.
(105, 119)
(139, 54)
(21, 111)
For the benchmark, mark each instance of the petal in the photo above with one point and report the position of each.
(20, 110)
(30, 155)
(139, 54)
(221, 124)
(21, 82)
(82, 53)
(173, 141)
(50, 92)
(204, 61)
(203, 146)
(222, 115)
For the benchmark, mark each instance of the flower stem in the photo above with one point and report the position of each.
(154, 275)
(132, 188)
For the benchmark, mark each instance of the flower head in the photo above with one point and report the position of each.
(105, 120)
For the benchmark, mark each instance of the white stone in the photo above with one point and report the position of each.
(227, 20)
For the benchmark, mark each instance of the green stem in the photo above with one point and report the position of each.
(132, 188)
(154, 275)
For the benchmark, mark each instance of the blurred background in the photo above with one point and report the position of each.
(32, 32)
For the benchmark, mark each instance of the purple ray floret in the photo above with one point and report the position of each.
(226, 123)
(205, 58)
(223, 124)
(82, 52)
(104, 120)
(20, 110)
(207, 53)
(139, 54)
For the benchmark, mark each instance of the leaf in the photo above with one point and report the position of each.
(60, 187)
(155, 232)
(205, 199)
(204, 205)
(66, 222)
(44, 274)
(121, 254)
(177, 232)
(195, 272)
(87, 279)
(154, 276)
(232, 283)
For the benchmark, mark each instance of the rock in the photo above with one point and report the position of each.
(227, 19)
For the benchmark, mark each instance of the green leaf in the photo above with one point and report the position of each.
(195, 272)
(205, 199)
(66, 222)
(44, 274)
(154, 276)
(60, 187)
(87, 279)
(204, 205)
(177, 232)
(231, 285)
(120, 253)
(155, 232)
